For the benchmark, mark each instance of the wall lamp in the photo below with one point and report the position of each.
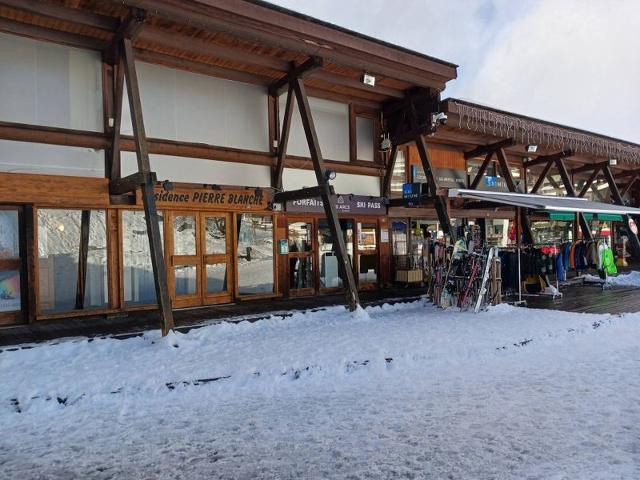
(329, 175)
(532, 148)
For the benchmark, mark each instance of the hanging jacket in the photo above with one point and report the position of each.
(608, 262)
(566, 251)
(601, 247)
(572, 255)
(561, 275)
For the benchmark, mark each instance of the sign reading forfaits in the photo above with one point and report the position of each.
(345, 204)
(219, 198)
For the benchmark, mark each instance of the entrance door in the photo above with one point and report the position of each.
(301, 257)
(199, 258)
(11, 266)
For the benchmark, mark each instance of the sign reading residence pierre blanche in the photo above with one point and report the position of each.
(213, 198)
(345, 204)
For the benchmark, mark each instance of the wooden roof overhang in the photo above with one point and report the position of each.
(244, 40)
(471, 125)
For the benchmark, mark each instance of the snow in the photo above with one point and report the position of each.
(631, 279)
(398, 391)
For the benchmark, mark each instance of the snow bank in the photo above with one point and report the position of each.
(631, 279)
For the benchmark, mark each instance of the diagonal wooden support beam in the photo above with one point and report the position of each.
(628, 186)
(589, 183)
(617, 199)
(492, 147)
(284, 140)
(388, 175)
(568, 185)
(588, 167)
(297, 72)
(511, 185)
(148, 195)
(543, 175)
(481, 170)
(118, 94)
(440, 202)
(344, 264)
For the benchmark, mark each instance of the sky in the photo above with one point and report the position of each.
(574, 62)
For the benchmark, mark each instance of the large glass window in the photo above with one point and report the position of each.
(329, 272)
(399, 175)
(60, 250)
(139, 287)
(364, 139)
(255, 254)
(9, 261)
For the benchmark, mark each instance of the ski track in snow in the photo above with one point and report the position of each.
(508, 393)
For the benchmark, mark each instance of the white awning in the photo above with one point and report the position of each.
(544, 202)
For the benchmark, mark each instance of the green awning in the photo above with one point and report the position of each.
(568, 216)
(609, 217)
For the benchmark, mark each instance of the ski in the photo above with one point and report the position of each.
(487, 270)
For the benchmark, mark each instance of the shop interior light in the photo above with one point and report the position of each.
(613, 162)
(532, 148)
(329, 175)
(61, 227)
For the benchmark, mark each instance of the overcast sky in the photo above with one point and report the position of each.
(575, 62)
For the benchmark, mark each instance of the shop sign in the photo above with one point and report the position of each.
(490, 181)
(445, 177)
(210, 198)
(283, 246)
(345, 204)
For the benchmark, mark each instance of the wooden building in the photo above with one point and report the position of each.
(184, 153)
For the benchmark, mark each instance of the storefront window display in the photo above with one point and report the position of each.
(368, 253)
(255, 254)
(59, 242)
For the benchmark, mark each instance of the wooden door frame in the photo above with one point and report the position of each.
(195, 299)
(226, 296)
(314, 254)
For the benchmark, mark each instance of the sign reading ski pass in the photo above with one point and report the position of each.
(345, 204)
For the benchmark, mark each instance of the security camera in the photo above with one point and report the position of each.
(439, 118)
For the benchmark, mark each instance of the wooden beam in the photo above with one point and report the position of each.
(344, 264)
(60, 12)
(543, 175)
(589, 182)
(492, 147)
(388, 176)
(284, 140)
(356, 84)
(131, 183)
(51, 35)
(508, 178)
(481, 170)
(546, 158)
(634, 242)
(148, 195)
(628, 186)
(568, 185)
(83, 254)
(115, 163)
(588, 167)
(304, 193)
(130, 27)
(296, 71)
(439, 201)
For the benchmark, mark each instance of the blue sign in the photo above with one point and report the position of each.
(490, 181)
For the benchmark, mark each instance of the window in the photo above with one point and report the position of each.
(255, 254)
(329, 271)
(367, 253)
(59, 254)
(10, 264)
(365, 139)
(399, 175)
(139, 287)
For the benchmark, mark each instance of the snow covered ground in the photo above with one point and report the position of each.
(402, 391)
(630, 279)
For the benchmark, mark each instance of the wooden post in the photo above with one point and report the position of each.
(388, 176)
(83, 253)
(506, 174)
(118, 69)
(328, 198)
(568, 186)
(617, 198)
(30, 262)
(284, 140)
(148, 197)
(440, 202)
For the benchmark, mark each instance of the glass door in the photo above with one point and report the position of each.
(185, 259)
(11, 277)
(301, 257)
(367, 253)
(217, 268)
(330, 277)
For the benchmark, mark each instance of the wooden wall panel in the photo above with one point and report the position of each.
(441, 157)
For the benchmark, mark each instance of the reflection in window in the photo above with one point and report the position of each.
(216, 277)
(10, 298)
(9, 234)
(368, 268)
(300, 237)
(364, 139)
(399, 175)
(399, 237)
(139, 288)
(368, 258)
(329, 271)
(216, 236)
(184, 235)
(59, 234)
(301, 272)
(366, 236)
(255, 254)
(185, 279)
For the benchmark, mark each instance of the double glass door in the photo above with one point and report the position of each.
(301, 257)
(200, 266)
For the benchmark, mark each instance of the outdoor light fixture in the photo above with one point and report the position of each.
(532, 148)
(329, 175)
(613, 162)
(167, 186)
(385, 144)
(369, 79)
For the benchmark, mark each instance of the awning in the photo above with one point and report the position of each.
(543, 202)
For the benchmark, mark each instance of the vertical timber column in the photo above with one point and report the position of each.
(617, 198)
(148, 197)
(440, 202)
(328, 197)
